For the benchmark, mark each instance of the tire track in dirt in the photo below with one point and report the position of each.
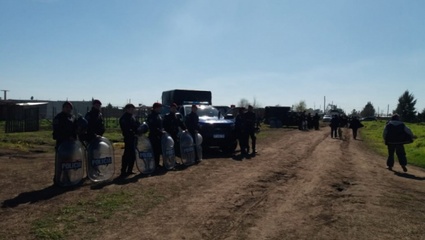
(232, 194)
(302, 185)
(233, 219)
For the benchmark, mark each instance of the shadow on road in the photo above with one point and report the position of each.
(36, 196)
(409, 176)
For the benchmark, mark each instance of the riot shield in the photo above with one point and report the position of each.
(168, 154)
(100, 160)
(187, 150)
(145, 160)
(198, 145)
(69, 163)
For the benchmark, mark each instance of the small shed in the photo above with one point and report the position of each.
(22, 117)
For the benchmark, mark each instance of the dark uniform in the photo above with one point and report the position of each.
(171, 125)
(250, 121)
(96, 124)
(64, 128)
(154, 122)
(334, 126)
(396, 134)
(192, 124)
(129, 125)
(354, 125)
(316, 120)
(241, 132)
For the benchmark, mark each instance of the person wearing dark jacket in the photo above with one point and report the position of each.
(334, 126)
(155, 123)
(241, 131)
(64, 125)
(396, 134)
(129, 125)
(250, 121)
(96, 125)
(192, 125)
(355, 124)
(65, 128)
(316, 120)
(173, 124)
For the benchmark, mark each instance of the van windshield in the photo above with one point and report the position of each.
(204, 110)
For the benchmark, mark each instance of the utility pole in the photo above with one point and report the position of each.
(4, 91)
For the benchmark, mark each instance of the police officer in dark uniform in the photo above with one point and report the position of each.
(65, 128)
(96, 124)
(192, 124)
(241, 131)
(129, 125)
(316, 120)
(172, 123)
(64, 125)
(156, 129)
(250, 122)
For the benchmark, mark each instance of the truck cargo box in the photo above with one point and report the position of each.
(182, 96)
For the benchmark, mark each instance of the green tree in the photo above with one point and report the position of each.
(301, 106)
(354, 112)
(368, 110)
(406, 107)
(421, 116)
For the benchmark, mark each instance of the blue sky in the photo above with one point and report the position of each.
(275, 52)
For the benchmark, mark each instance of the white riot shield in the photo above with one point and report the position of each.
(198, 145)
(145, 160)
(168, 153)
(187, 150)
(69, 163)
(100, 160)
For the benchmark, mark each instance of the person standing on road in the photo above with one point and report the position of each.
(156, 129)
(334, 126)
(250, 121)
(173, 124)
(65, 128)
(192, 124)
(355, 124)
(241, 131)
(96, 124)
(316, 120)
(396, 134)
(128, 125)
(64, 125)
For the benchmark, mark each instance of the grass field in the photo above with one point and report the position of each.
(372, 135)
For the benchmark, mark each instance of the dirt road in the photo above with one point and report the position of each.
(301, 185)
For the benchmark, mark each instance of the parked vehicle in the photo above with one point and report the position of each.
(327, 118)
(216, 130)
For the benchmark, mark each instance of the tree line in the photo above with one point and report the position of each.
(405, 108)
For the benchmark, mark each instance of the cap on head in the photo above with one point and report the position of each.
(129, 106)
(156, 105)
(69, 104)
(173, 105)
(96, 101)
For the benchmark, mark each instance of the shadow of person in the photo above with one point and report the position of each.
(409, 176)
(36, 196)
